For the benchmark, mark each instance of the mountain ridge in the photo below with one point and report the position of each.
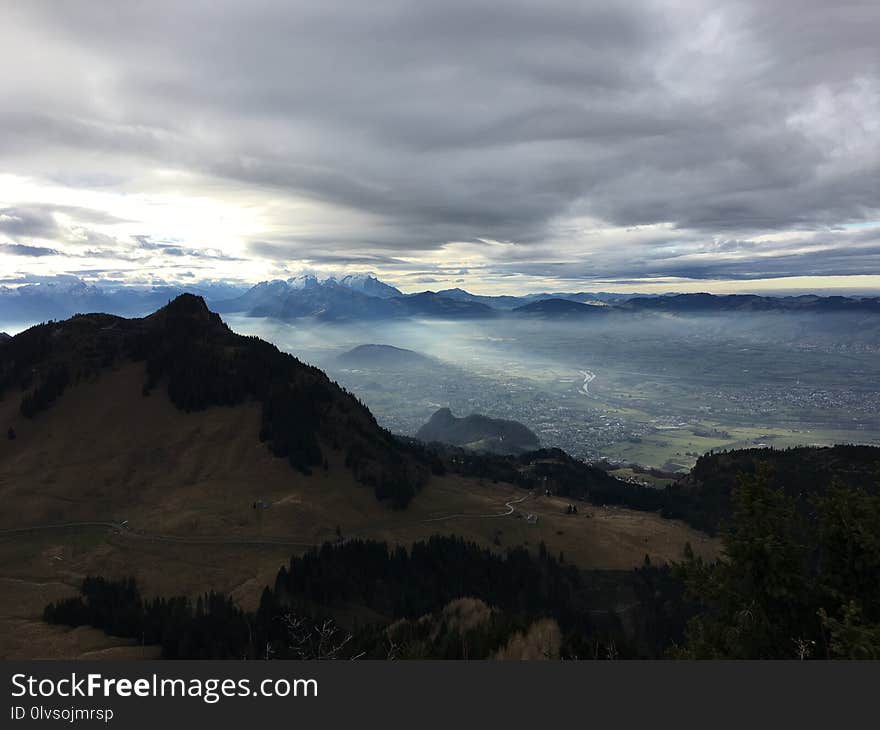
(363, 296)
(376, 355)
(479, 433)
(191, 354)
(560, 308)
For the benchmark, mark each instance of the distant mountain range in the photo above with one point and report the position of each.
(479, 433)
(503, 302)
(63, 296)
(696, 303)
(365, 297)
(351, 297)
(561, 308)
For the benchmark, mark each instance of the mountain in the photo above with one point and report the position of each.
(501, 302)
(188, 352)
(63, 296)
(479, 433)
(703, 496)
(560, 309)
(431, 304)
(604, 297)
(265, 295)
(328, 301)
(268, 296)
(368, 284)
(672, 303)
(4, 337)
(56, 298)
(352, 297)
(383, 357)
(708, 303)
(550, 469)
(505, 302)
(365, 297)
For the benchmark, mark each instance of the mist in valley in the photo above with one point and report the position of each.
(657, 390)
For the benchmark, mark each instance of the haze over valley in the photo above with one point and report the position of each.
(661, 387)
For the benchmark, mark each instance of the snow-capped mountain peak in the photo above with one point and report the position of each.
(367, 283)
(303, 281)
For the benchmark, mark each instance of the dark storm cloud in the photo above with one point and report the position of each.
(461, 121)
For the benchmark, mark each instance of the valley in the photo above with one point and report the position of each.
(185, 485)
(668, 389)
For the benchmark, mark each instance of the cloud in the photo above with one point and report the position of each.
(20, 249)
(175, 249)
(533, 138)
(304, 250)
(28, 221)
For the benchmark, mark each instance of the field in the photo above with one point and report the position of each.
(186, 485)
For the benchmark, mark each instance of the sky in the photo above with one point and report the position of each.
(500, 147)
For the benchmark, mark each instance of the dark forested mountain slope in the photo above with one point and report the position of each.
(550, 470)
(190, 353)
(703, 497)
(479, 432)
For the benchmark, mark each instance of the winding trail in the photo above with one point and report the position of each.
(124, 531)
(510, 510)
